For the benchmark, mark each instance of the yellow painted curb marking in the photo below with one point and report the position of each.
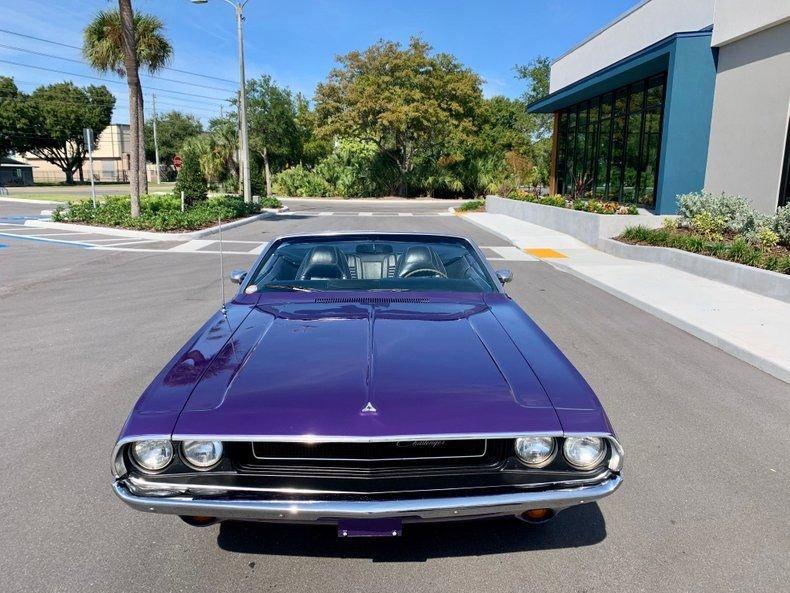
(545, 253)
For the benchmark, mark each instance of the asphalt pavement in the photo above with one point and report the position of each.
(703, 507)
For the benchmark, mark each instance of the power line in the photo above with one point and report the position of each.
(84, 63)
(109, 81)
(79, 48)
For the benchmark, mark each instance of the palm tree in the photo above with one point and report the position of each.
(120, 41)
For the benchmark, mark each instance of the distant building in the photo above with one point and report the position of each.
(675, 96)
(110, 159)
(15, 172)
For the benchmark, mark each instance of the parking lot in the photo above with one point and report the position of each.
(84, 330)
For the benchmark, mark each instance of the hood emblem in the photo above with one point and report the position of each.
(369, 408)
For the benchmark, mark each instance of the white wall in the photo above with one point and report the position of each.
(751, 106)
(734, 19)
(642, 26)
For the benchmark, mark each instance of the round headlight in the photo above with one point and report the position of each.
(152, 455)
(535, 451)
(584, 452)
(202, 454)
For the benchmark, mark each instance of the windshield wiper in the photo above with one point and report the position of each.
(293, 287)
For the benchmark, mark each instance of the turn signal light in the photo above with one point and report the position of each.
(538, 514)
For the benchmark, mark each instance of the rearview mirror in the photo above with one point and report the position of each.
(237, 276)
(504, 276)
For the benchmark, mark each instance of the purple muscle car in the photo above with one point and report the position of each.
(367, 380)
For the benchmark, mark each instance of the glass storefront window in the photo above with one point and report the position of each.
(608, 147)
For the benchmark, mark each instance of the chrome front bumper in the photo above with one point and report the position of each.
(426, 509)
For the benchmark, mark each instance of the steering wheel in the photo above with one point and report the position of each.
(424, 273)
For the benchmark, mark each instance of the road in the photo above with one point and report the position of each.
(703, 508)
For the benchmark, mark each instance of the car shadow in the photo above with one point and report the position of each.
(578, 526)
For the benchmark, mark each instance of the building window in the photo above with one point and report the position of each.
(608, 146)
(784, 186)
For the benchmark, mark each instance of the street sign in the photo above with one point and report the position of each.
(87, 133)
(177, 162)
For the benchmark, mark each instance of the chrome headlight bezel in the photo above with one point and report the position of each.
(597, 461)
(546, 460)
(187, 446)
(137, 454)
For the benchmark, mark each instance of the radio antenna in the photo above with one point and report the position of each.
(221, 272)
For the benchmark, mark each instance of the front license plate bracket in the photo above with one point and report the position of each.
(370, 528)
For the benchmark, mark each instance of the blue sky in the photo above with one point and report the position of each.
(296, 41)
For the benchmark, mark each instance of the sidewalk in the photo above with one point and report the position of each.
(751, 327)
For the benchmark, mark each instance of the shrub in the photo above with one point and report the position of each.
(735, 211)
(708, 224)
(472, 206)
(781, 225)
(158, 213)
(670, 224)
(764, 238)
(190, 180)
(299, 181)
(738, 250)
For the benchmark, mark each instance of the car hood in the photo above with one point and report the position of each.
(374, 369)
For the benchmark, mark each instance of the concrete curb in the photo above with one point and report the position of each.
(587, 227)
(24, 201)
(764, 282)
(764, 364)
(152, 235)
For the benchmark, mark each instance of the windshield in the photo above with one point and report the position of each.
(380, 263)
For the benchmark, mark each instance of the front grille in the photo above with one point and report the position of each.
(360, 460)
(371, 452)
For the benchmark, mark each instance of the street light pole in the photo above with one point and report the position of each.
(245, 144)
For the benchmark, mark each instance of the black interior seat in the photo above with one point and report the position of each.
(325, 262)
(420, 261)
(373, 262)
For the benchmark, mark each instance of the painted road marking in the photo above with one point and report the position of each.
(405, 213)
(192, 245)
(367, 214)
(45, 240)
(257, 250)
(125, 243)
(512, 253)
(543, 253)
(325, 213)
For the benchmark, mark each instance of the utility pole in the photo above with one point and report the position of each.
(244, 161)
(245, 145)
(156, 142)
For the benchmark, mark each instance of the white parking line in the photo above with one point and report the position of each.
(325, 213)
(193, 245)
(405, 213)
(125, 243)
(512, 253)
(366, 213)
(257, 250)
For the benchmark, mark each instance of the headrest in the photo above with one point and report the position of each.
(325, 262)
(420, 257)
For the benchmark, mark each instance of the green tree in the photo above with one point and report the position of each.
(404, 100)
(62, 111)
(19, 125)
(121, 42)
(274, 133)
(190, 179)
(537, 73)
(173, 129)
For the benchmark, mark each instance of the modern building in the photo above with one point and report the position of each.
(110, 159)
(14, 172)
(676, 96)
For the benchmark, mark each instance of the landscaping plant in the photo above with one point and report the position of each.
(159, 213)
(726, 227)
